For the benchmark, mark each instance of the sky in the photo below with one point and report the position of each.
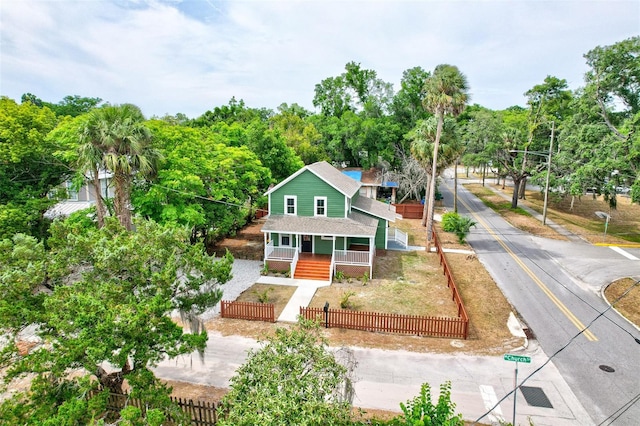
(189, 56)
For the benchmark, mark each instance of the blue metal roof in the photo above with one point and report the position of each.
(353, 174)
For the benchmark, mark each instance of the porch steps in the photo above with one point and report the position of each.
(312, 269)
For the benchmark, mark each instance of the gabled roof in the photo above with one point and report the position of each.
(332, 176)
(375, 208)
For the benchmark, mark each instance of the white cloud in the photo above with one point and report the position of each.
(172, 56)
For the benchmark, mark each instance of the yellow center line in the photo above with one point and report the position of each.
(587, 333)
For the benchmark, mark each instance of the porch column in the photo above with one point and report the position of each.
(372, 249)
(265, 246)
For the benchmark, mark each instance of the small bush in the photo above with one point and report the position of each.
(365, 278)
(339, 276)
(263, 296)
(345, 303)
(265, 269)
(459, 225)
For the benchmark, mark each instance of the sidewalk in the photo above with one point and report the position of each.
(384, 379)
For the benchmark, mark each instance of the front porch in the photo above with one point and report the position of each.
(354, 262)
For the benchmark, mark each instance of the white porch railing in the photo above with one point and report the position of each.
(279, 253)
(351, 257)
(398, 236)
(333, 267)
(294, 263)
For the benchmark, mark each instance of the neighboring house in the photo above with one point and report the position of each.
(319, 224)
(373, 183)
(81, 199)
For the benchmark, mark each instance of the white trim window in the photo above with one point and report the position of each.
(290, 205)
(285, 240)
(320, 204)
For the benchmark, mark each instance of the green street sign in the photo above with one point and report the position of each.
(517, 358)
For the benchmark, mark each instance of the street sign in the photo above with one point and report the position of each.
(517, 358)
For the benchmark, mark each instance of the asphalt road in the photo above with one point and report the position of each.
(556, 287)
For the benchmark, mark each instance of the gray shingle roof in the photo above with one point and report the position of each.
(329, 174)
(356, 225)
(335, 178)
(376, 208)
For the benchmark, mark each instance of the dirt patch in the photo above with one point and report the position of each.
(278, 295)
(191, 391)
(629, 304)
(247, 243)
(410, 283)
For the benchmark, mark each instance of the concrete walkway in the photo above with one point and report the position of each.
(305, 291)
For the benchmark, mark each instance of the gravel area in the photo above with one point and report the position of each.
(245, 273)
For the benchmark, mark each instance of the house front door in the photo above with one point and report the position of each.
(307, 244)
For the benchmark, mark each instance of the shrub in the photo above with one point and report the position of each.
(265, 269)
(263, 296)
(459, 225)
(339, 276)
(421, 411)
(449, 221)
(345, 303)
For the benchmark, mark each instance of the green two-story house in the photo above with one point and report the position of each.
(318, 224)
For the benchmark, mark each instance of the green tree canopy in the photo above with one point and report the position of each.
(292, 379)
(100, 301)
(29, 169)
(203, 183)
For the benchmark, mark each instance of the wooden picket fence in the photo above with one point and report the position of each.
(391, 323)
(202, 413)
(456, 328)
(462, 312)
(247, 310)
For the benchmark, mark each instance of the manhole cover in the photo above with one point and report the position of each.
(535, 397)
(606, 368)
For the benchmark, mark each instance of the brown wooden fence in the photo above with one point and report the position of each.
(457, 328)
(409, 211)
(247, 310)
(390, 323)
(202, 413)
(462, 312)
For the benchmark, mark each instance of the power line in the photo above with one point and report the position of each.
(620, 411)
(560, 350)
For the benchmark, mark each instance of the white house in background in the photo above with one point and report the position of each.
(373, 183)
(83, 198)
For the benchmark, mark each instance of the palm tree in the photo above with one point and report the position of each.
(116, 139)
(422, 138)
(446, 93)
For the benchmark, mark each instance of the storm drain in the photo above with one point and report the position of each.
(535, 397)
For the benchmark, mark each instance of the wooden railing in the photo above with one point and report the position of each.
(397, 235)
(351, 257)
(247, 310)
(294, 263)
(279, 253)
(462, 312)
(391, 323)
(202, 413)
